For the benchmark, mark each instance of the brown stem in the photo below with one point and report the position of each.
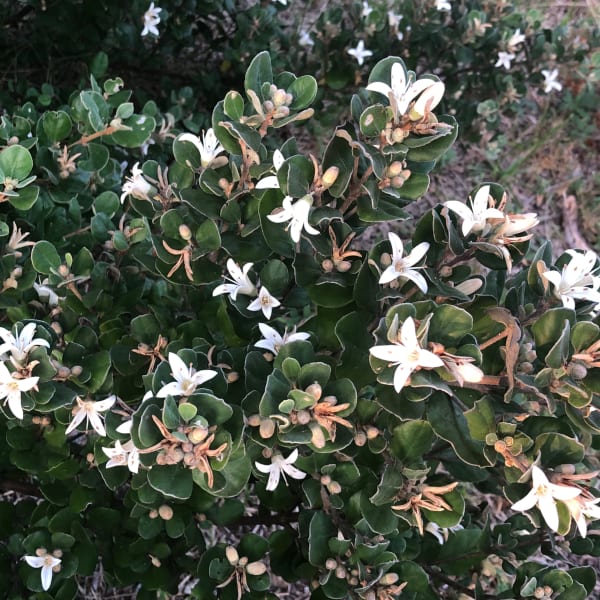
(493, 340)
(88, 138)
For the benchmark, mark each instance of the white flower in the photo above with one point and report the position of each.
(360, 53)
(18, 347)
(280, 466)
(515, 39)
(209, 147)
(284, 2)
(576, 281)
(305, 39)
(544, 494)
(402, 92)
(47, 563)
(475, 220)
(187, 379)
(550, 81)
(136, 186)
(123, 455)
(240, 282)
(505, 232)
(394, 19)
(402, 267)
(89, 410)
(271, 181)
(151, 20)
(407, 355)
(443, 5)
(11, 389)
(297, 214)
(46, 293)
(441, 534)
(264, 302)
(366, 9)
(273, 341)
(504, 60)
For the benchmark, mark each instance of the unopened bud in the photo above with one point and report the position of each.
(446, 271)
(267, 428)
(165, 512)
(64, 174)
(36, 420)
(153, 514)
(340, 572)
(360, 439)
(325, 479)
(372, 432)
(334, 487)
(530, 355)
(185, 232)
(256, 568)
(538, 592)
(90, 457)
(64, 271)
(315, 390)
(57, 553)
(279, 98)
(526, 367)
(17, 272)
(189, 459)
(577, 371)
(223, 183)
(327, 265)
(389, 579)
(385, 259)
(395, 169)
(330, 176)
(155, 561)
(268, 106)
(254, 420)
(331, 400)
(343, 266)
(232, 377)
(303, 417)
(567, 469)
(76, 370)
(41, 552)
(232, 555)
(548, 590)
(13, 139)
(197, 435)
(331, 564)
(398, 135)
(63, 372)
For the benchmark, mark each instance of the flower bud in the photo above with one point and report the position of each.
(395, 169)
(360, 439)
(343, 266)
(57, 553)
(538, 592)
(232, 377)
(185, 232)
(327, 265)
(267, 428)
(372, 432)
(334, 487)
(279, 98)
(331, 564)
(155, 561)
(268, 106)
(153, 514)
(303, 417)
(389, 579)
(63, 372)
(577, 371)
(12, 140)
(232, 555)
(197, 435)
(331, 400)
(526, 367)
(398, 135)
(64, 174)
(548, 590)
(385, 259)
(256, 568)
(165, 512)
(41, 552)
(330, 176)
(446, 271)
(340, 572)
(189, 459)
(64, 271)
(254, 420)
(315, 390)
(325, 479)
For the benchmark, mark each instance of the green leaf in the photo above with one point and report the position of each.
(233, 105)
(320, 530)
(207, 237)
(481, 419)
(449, 423)
(56, 125)
(136, 132)
(44, 257)
(411, 440)
(26, 197)
(172, 481)
(15, 162)
(373, 120)
(559, 353)
(304, 91)
(259, 72)
(449, 325)
(339, 154)
(548, 329)
(558, 449)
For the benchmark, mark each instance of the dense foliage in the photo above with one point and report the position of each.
(216, 372)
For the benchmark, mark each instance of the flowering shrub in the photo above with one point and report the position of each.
(213, 341)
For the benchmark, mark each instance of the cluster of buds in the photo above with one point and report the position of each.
(66, 164)
(241, 569)
(339, 254)
(527, 356)
(387, 588)
(63, 373)
(164, 511)
(365, 433)
(396, 175)
(332, 486)
(11, 283)
(189, 444)
(278, 104)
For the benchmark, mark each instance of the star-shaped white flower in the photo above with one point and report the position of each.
(89, 410)
(360, 53)
(123, 455)
(504, 60)
(403, 91)
(544, 494)
(403, 266)
(264, 302)
(209, 147)
(151, 20)
(297, 213)
(407, 355)
(366, 9)
(576, 281)
(18, 347)
(551, 81)
(281, 466)
(47, 562)
(46, 293)
(515, 39)
(135, 185)
(443, 5)
(11, 389)
(187, 379)
(273, 341)
(240, 282)
(271, 181)
(305, 39)
(475, 219)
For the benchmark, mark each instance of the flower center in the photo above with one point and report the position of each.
(414, 355)
(399, 266)
(13, 386)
